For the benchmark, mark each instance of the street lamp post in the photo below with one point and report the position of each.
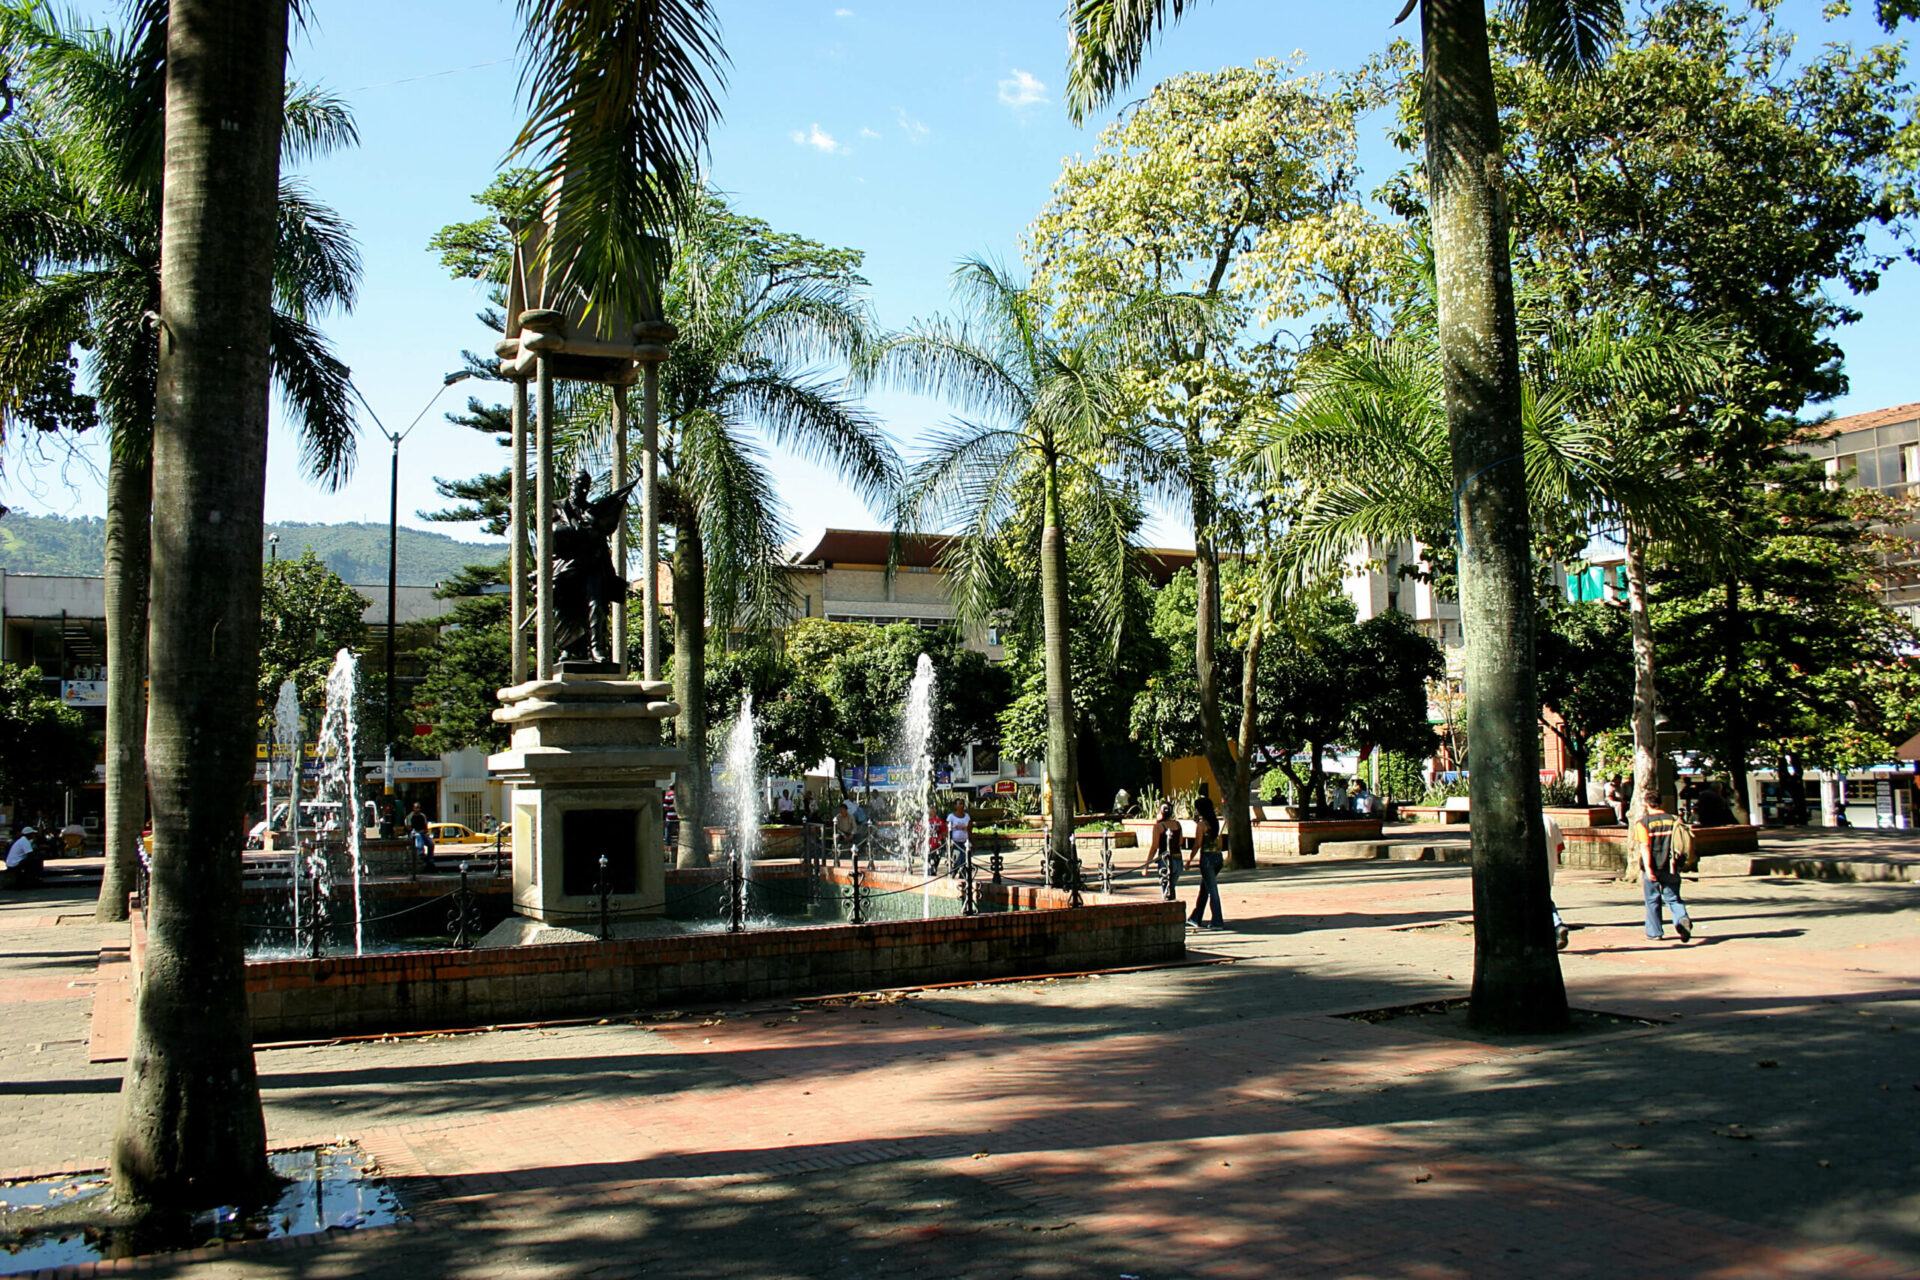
(393, 538)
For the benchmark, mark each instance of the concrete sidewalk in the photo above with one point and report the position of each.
(1750, 1112)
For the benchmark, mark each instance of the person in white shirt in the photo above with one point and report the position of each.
(1556, 845)
(960, 830)
(23, 859)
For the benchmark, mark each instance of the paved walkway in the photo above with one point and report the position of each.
(1750, 1112)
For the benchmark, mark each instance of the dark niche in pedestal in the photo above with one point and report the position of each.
(585, 834)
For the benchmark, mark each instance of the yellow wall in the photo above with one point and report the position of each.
(1178, 775)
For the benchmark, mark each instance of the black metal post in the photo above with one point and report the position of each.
(859, 913)
(960, 857)
(736, 892)
(605, 887)
(1167, 856)
(316, 919)
(996, 861)
(393, 570)
(1106, 862)
(463, 921)
(1073, 878)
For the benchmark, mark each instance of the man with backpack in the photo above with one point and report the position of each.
(1652, 840)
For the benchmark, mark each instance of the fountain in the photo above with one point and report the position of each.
(287, 746)
(742, 781)
(916, 730)
(339, 784)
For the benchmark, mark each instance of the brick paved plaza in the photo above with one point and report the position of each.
(1752, 1110)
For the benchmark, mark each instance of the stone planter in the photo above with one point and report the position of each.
(1581, 816)
(1303, 839)
(1607, 848)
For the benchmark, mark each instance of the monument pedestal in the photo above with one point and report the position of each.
(588, 770)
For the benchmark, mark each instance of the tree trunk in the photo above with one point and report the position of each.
(1241, 798)
(1738, 747)
(1213, 729)
(129, 508)
(1057, 627)
(690, 686)
(1646, 703)
(190, 1133)
(1516, 978)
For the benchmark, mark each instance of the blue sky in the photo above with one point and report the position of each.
(916, 130)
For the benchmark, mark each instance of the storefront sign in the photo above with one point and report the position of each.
(406, 770)
(84, 693)
(1006, 786)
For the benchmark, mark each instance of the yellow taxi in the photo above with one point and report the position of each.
(452, 833)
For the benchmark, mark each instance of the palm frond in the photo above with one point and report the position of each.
(1567, 37)
(812, 417)
(1106, 41)
(316, 122)
(621, 95)
(316, 264)
(314, 386)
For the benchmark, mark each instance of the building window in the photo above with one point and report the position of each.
(1910, 463)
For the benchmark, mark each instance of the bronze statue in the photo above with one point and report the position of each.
(586, 585)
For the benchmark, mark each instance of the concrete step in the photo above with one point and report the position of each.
(1400, 850)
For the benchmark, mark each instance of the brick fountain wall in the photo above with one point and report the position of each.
(416, 990)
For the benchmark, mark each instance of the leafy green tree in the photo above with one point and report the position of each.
(1826, 672)
(44, 744)
(1054, 429)
(1774, 179)
(467, 663)
(307, 615)
(80, 213)
(1238, 187)
(1517, 982)
(1585, 655)
(795, 714)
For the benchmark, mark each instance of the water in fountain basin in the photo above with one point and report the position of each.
(743, 791)
(286, 752)
(339, 752)
(916, 731)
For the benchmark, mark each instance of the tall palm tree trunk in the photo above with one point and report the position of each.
(690, 685)
(1516, 978)
(129, 508)
(1056, 626)
(1646, 701)
(190, 1130)
(1235, 776)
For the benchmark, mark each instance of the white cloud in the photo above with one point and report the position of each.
(819, 138)
(916, 130)
(1022, 89)
(868, 133)
(843, 13)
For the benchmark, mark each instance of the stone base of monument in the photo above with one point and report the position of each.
(588, 770)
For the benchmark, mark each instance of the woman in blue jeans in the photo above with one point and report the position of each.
(1206, 833)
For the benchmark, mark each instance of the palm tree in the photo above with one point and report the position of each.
(757, 312)
(191, 1131)
(80, 217)
(1048, 422)
(1517, 986)
(1370, 427)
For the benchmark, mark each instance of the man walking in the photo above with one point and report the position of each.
(1652, 839)
(422, 835)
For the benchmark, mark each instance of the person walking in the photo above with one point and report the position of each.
(1652, 840)
(1206, 839)
(936, 837)
(1164, 849)
(422, 834)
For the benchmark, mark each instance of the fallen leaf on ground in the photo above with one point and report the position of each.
(1767, 1062)
(1627, 1146)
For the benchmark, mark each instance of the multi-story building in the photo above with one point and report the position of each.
(1881, 451)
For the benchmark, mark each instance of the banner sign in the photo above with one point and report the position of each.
(1006, 787)
(84, 693)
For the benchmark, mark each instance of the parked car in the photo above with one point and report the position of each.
(445, 833)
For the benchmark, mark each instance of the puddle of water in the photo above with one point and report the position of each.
(332, 1188)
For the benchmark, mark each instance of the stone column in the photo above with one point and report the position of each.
(517, 531)
(650, 523)
(543, 515)
(619, 619)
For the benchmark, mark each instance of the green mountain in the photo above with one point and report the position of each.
(357, 552)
